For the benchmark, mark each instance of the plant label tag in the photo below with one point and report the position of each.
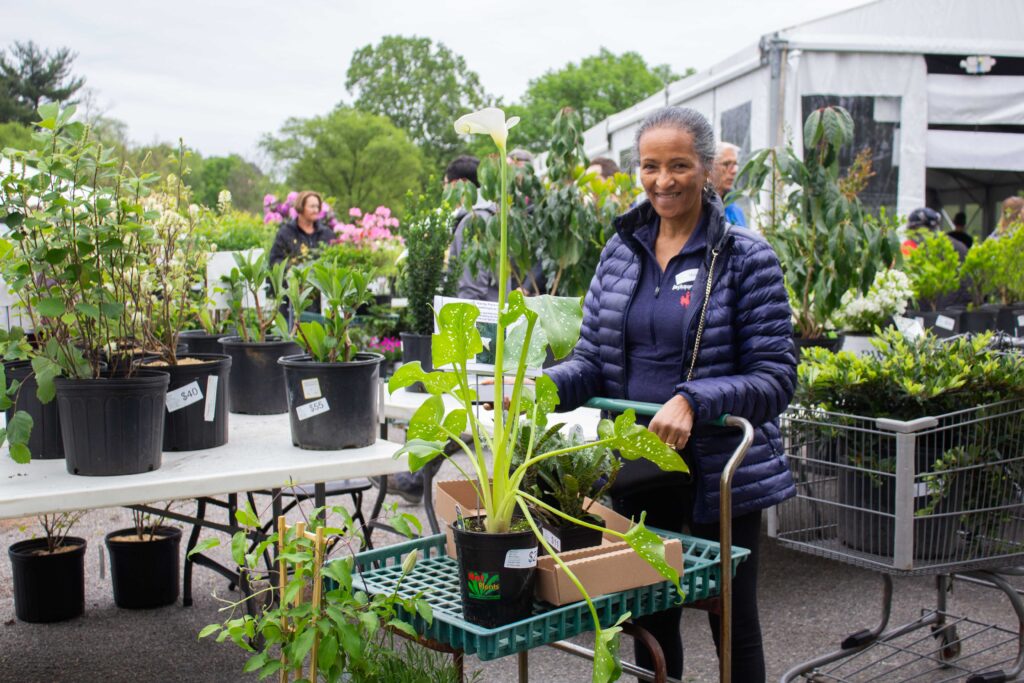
(521, 558)
(1020, 321)
(210, 409)
(920, 489)
(183, 396)
(311, 388)
(911, 328)
(945, 322)
(308, 410)
(554, 541)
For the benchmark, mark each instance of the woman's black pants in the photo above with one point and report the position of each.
(671, 508)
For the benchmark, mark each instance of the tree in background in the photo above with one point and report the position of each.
(243, 179)
(421, 86)
(360, 159)
(596, 88)
(30, 76)
(16, 135)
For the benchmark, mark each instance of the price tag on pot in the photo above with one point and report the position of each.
(521, 558)
(183, 396)
(554, 541)
(308, 410)
(311, 388)
(1020, 321)
(920, 489)
(210, 409)
(945, 322)
(911, 328)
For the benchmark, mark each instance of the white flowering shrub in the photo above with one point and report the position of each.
(888, 296)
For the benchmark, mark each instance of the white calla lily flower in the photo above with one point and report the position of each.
(490, 121)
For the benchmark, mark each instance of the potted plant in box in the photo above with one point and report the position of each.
(49, 572)
(145, 562)
(197, 411)
(255, 292)
(333, 389)
(82, 239)
(826, 243)
(492, 546)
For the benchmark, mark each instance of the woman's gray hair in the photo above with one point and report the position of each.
(680, 118)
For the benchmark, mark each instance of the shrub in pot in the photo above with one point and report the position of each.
(826, 243)
(49, 572)
(145, 562)
(933, 267)
(256, 292)
(860, 314)
(333, 389)
(427, 237)
(81, 237)
(482, 545)
(979, 273)
(32, 429)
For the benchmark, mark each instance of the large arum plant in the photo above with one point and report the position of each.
(533, 325)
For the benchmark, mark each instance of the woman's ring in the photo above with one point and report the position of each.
(671, 445)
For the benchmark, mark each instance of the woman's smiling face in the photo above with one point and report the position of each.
(672, 173)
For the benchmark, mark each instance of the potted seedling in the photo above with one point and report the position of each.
(497, 555)
(82, 238)
(145, 562)
(49, 572)
(333, 389)
(934, 271)
(255, 292)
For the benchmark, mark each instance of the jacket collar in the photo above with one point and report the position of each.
(643, 214)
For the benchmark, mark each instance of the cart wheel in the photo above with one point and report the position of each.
(950, 641)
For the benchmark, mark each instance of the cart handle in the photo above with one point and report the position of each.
(725, 511)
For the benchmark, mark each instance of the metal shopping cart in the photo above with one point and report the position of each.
(938, 496)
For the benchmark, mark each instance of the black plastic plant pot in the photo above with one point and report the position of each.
(832, 344)
(944, 323)
(257, 386)
(200, 341)
(113, 425)
(978, 321)
(570, 536)
(333, 405)
(48, 587)
(417, 347)
(144, 573)
(1010, 319)
(197, 402)
(44, 442)
(497, 573)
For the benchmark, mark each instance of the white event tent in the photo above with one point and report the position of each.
(936, 89)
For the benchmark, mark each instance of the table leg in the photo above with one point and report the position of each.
(524, 666)
(193, 539)
(657, 655)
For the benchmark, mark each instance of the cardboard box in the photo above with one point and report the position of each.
(608, 568)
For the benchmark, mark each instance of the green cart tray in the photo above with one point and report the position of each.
(435, 575)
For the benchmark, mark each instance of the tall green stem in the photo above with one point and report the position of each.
(500, 471)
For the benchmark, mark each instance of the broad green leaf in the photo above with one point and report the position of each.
(350, 641)
(89, 310)
(650, 546)
(425, 611)
(403, 627)
(407, 525)
(420, 452)
(515, 337)
(560, 317)
(545, 394)
(204, 545)
(303, 644)
(209, 629)
(434, 382)
(45, 370)
(19, 428)
(458, 338)
(20, 453)
(606, 652)
(633, 441)
(456, 421)
(370, 622)
(238, 545)
(112, 309)
(255, 662)
(246, 517)
(293, 590)
(341, 571)
(50, 307)
(328, 652)
(426, 421)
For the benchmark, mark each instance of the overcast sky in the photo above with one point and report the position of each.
(220, 74)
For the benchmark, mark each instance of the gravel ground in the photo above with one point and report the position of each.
(808, 604)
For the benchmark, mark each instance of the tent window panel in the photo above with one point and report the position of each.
(868, 132)
(736, 129)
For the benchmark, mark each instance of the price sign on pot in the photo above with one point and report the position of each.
(183, 396)
(308, 410)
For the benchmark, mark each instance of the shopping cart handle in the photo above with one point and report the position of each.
(620, 405)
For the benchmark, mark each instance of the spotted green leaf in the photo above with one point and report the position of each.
(606, 652)
(651, 547)
(458, 338)
(634, 441)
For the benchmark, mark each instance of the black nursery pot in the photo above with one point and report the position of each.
(571, 536)
(1010, 319)
(417, 347)
(832, 344)
(333, 405)
(113, 425)
(497, 574)
(200, 341)
(256, 386)
(197, 403)
(48, 587)
(144, 574)
(978, 320)
(45, 441)
(943, 323)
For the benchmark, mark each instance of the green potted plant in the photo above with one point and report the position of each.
(197, 410)
(934, 271)
(82, 236)
(826, 243)
(570, 483)
(980, 272)
(333, 389)
(427, 238)
(484, 545)
(145, 562)
(33, 427)
(255, 294)
(49, 572)
(1009, 282)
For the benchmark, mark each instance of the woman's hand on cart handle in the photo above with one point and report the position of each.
(673, 422)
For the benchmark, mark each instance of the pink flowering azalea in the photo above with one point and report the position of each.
(273, 217)
(355, 212)
(269, 199)
(383, 211)
(292, 196)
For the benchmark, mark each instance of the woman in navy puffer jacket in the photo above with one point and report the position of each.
(641, 321)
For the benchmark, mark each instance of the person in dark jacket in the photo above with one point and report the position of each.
(303, 233)
(691, 313)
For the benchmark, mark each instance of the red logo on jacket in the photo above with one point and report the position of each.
(684, 300)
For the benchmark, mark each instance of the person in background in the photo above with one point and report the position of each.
(519, 157)
(723, 175)
(303, 233)
(1011, 216)
(959, 231)
(603, 166)
(655, 331)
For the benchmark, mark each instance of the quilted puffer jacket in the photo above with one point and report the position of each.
(746, 365)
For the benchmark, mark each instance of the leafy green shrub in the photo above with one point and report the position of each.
(234, 230)
(932, 266)
(427, 234)
(981, 269)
